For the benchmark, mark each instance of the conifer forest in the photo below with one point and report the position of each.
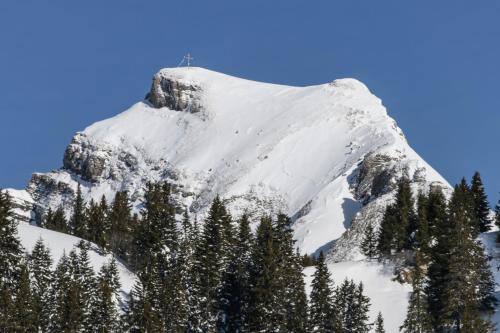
(240, 275)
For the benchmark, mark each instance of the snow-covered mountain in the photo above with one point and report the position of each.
(327, 155)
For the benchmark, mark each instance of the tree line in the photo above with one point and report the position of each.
(218, 277)
(448, 269)
(37, 297)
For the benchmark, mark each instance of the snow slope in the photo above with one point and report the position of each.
(289, 149)
(386, 296)
(60, 243)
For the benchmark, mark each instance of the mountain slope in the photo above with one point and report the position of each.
(60, 243)
(326, 155)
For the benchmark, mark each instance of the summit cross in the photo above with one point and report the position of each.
(188, 59)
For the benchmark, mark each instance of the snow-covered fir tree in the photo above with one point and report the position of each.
(481, 205)
(236, 282)
(105, 313)
(322, 314)
(78, 221)
(379, 324)
(418, 319)
(352, 307)
(40, 268)
(369, 243)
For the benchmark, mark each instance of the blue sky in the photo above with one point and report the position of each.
(435, 64)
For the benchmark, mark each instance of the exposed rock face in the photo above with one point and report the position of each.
(80, 157)
(22, 205)
(375, 177)
(375, 186)
(49, 191)
(176, 95)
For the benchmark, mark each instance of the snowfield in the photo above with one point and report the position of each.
(60, 243)
(387, 296)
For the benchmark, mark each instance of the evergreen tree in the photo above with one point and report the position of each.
(441, 232)
(360, 311)
(181, 293)
(399, 224)
(462, 299)
(379, 324)
(422, 236)
(144, 312)
(110, 274)
(67, 309)
(352, 308)
(263, 280)
(97, 222)
(11, 252)
(344, 299)
(174, 298)
(85, 282)
(291, 308)
(497, 218)
(6, 309)
(369, 243)
(436, 213)
(119, 226)
(104, 311)
(322, 312)
(297, 305)
(78, 220)
(213, 259)
(13, 289)
(157, 232)
(236, 285)
(55, 220)
(481, 205)
(195, 295)
(387, 231)
(40, 263)
(405, 226)
(418, 319)
(24, 316)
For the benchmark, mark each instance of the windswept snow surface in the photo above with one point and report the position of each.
(386, 296)
(60, 243)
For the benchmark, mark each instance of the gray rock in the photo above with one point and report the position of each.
(176, 95)
(375, 177)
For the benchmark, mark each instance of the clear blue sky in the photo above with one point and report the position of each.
(435, 64)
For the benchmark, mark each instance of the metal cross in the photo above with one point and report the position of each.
(188, 59)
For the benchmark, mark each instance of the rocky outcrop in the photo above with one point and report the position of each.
(374, 184)
(174, 94)
(83, 159)
(22, 205)
(375, 177)
(47, 192)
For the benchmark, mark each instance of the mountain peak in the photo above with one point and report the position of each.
(311, 152)
(196, 74)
